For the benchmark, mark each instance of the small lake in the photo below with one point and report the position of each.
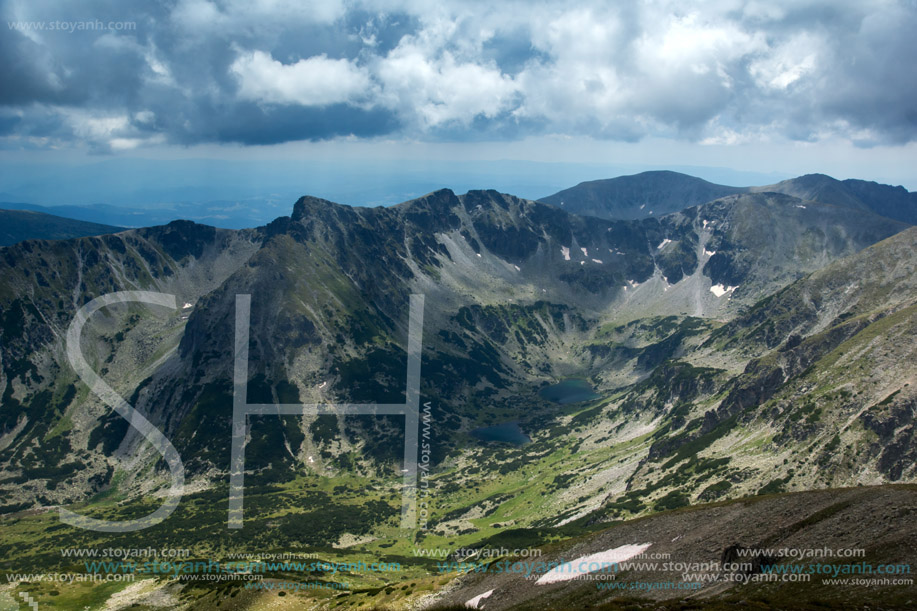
(573, 390)
(508, 432)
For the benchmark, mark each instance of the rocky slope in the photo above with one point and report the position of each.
(885, 200)
(693, 545)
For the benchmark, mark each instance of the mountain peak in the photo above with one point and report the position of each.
(438, 202)
(308, 203)
(652, 193)
(440, 197)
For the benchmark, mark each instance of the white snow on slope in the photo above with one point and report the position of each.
(600, 561)
(473, 603)
(719, 290)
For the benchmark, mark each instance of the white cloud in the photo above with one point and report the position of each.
(441, 90)
(199, 15)
(787, 63)
(144, 116)
(126, 144)
(247, 16)
(316, 81)
(633, 73)
(98, 128)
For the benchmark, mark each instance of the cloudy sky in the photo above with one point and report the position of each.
(775, 87)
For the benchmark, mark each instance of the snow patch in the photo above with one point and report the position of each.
(585, 252)
(600, 561)
(719, 290)
(664, 242)
(517, 268)
(479, 254)
(800, 206)
(705, 223)
(597, 260)
(565, 252)
(642, 206)
(473, 603)
(709, 253)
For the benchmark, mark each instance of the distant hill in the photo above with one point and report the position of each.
(885, 200)
(655, 193)
(226, 214)
(658, 193)
(19, 225)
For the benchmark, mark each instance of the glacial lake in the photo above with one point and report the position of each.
(573, 390)
(508, 432)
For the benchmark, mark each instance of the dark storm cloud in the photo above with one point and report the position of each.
(270, 71)
(251, 124)
(23, 79)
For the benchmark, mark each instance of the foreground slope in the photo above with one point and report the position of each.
(683, 565)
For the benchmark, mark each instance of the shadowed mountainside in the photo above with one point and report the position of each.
(19, 225)
(659, 193)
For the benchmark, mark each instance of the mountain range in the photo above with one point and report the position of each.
(663, 192)
(736, 342)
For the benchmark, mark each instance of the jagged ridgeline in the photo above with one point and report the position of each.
(758, 342)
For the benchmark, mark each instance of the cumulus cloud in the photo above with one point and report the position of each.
(720, 71)
(437, 91)
(316, 81)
